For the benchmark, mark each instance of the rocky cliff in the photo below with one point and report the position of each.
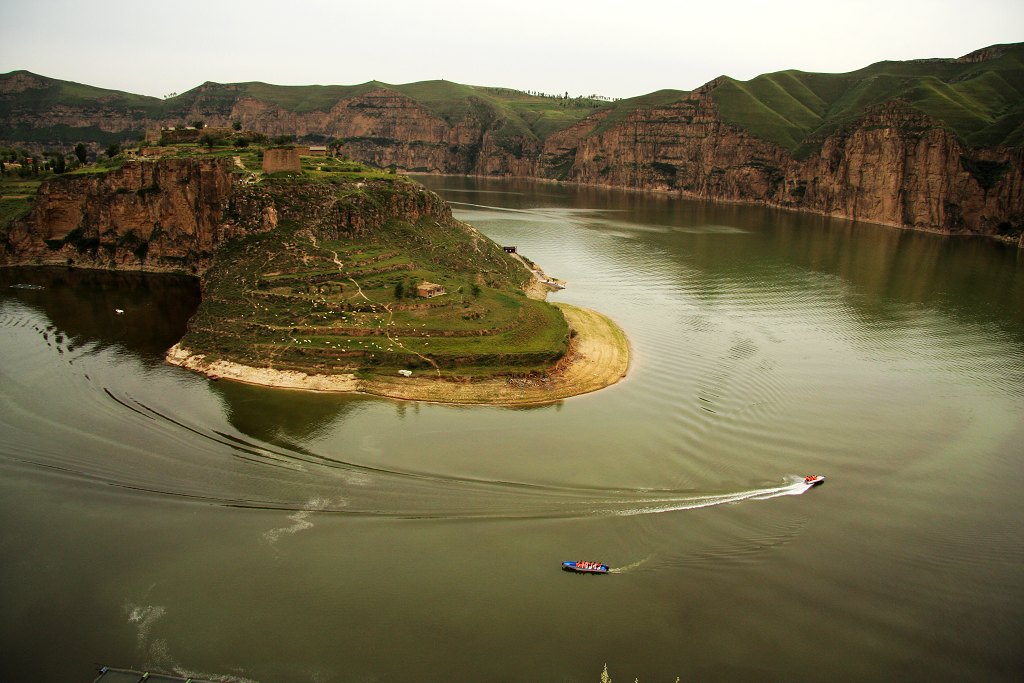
(173, 214)
(166, 215)
(894, 166)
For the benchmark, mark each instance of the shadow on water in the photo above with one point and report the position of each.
(288, 419)
(281, 417)
(83, 304)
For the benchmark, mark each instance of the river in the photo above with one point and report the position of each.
(152, 518)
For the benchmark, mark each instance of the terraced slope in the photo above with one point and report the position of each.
(333, 287)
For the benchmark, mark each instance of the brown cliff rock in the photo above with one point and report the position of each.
(173, 214)
(895, 166)
(146, 215)
(898, 167)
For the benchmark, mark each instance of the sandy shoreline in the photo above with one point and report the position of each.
(598, 358)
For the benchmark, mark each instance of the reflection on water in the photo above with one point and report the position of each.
(177, 521)
(283, 418)
(82, 306)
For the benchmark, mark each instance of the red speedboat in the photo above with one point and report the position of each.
(814, 479)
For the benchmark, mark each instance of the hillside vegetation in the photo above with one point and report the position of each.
(982, 101)
(340, 299)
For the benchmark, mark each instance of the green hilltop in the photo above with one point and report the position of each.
(982, 101)
(314, 297)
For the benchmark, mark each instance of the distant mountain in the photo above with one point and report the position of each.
(933, 144)
(980, 97)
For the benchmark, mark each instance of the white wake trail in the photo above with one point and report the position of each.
(659, 506)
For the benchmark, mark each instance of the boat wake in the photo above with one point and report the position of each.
(630, 567)
(656, 506)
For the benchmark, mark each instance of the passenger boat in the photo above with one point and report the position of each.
(814, 479)
(582, 567)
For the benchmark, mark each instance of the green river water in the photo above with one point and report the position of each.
(153, 519)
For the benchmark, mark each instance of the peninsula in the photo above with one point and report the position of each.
(320, 273)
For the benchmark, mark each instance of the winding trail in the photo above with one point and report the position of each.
(390, 320)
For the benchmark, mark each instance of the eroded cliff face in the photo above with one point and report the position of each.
(163, 215)
(894, 166)
(173, 214)
(898, 167)
(382, 127)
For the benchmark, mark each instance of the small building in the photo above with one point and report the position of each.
(317, 150)
(509, 250)
(281, 159)
(429, 290)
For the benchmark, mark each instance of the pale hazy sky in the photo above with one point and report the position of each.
(619, 49)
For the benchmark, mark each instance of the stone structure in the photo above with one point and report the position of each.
(282, 160)
(429, 290)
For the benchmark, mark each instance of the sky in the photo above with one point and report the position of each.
(617, 49)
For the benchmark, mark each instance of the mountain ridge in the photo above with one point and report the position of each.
(931, 144)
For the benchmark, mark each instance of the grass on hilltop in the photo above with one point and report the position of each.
(981, 102)
(290, 300)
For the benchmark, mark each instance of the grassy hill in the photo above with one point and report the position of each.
(983, 102)
(302, 298)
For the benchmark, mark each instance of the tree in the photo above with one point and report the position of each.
(198, 124)
(57, 163)
(474, 289)
(208, 140)
(399, 290)
(81, 152)
(236, 125)
(113, 149)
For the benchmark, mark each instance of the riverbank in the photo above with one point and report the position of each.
(598, 357)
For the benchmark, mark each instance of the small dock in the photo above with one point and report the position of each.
(109, 674)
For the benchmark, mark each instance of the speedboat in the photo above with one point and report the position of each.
(814, 479)
(582, 567)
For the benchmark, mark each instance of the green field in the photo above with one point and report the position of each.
(16, 197)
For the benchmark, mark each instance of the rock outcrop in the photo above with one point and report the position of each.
(165, 215)
(172, 214)
(894, 166)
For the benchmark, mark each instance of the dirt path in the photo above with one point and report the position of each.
(599, 358)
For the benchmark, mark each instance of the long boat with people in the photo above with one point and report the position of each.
(585, 567)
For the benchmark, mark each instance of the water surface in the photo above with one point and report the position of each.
(152, 518)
